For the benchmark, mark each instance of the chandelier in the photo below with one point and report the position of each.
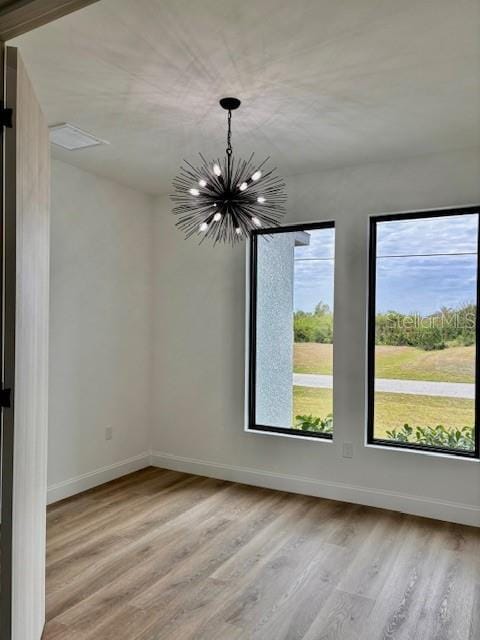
(225, 200)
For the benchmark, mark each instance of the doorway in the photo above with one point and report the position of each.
(24, 328)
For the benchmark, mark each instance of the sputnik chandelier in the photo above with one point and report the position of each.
(224, 200)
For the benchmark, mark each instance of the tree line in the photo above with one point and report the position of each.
(454, 326)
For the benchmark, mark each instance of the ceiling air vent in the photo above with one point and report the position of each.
(72, 138)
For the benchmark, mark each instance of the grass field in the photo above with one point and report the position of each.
(312, 401)
(451, 412)
(454, 364)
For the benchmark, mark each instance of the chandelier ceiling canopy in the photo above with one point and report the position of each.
(225, 199)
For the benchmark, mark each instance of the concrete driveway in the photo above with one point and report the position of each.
(414, 387)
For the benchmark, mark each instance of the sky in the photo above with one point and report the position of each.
(420, 283)
(314, 277)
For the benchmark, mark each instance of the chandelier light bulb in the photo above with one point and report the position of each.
(195, 192)
(216, 170)
(203, 226)
(217, 216)
(261, 199)
(238, 231)
(256, 176)
(243, 186)
(202, 182)
(256, 221)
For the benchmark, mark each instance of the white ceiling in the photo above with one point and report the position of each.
(324, 83)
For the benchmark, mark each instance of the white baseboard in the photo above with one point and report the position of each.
(415, 505)
(94, 478)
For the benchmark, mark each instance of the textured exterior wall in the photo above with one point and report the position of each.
(275, 330)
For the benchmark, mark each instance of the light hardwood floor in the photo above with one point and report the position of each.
(161, 555)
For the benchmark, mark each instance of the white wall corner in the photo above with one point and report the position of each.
(86, 481)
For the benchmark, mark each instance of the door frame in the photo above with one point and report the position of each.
(16, 18)
(7, 348)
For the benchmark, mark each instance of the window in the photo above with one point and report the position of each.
(291, 330)
(423, 324)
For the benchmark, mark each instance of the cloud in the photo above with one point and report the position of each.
(322, 245)
(452, 234)
(314, 267)
(420, 284)
(423, 285)
(313, 282)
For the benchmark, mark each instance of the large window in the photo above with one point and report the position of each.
(423, 322)
(291, 330)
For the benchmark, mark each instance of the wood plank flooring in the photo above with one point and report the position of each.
(161, 555)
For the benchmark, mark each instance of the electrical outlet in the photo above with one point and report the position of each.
(348, 449)
(108, 433)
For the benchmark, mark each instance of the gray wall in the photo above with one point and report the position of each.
(199, 325)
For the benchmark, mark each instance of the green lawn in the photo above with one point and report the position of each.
(311, 357)
(421, 411)
(415, 410)
(454, 364)
(312, 401)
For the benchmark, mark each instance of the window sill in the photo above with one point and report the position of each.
(432, 454)
(289, 435)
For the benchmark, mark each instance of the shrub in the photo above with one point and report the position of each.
(465, 341)
(308, 327)
(439, 436)
(312, 423)
(455, 326)
(430, 339)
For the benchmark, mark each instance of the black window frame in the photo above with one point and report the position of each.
(252, 350)
(371, 440)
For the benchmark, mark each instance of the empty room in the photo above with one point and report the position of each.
(240, 353)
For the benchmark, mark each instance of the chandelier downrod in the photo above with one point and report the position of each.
(229, 104)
